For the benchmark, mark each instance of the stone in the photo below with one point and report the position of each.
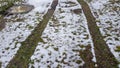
(21, 8)
(77, 11)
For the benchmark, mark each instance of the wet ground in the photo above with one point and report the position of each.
(62, 34)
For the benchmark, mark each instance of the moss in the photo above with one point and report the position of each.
(19, 20)
(59, 66)
(29, 27)
(74, 33)
(117, 49)
(78, 61)
(7, 48)
(82, 46)
(56, 49)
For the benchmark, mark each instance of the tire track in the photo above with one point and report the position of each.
(0, 64)
(105, 58)
(2, 22)
(87, 56)
(22, 58)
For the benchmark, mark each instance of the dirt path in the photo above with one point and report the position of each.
(22, 58)
(105, 58)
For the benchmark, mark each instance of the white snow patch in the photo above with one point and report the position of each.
(108, 20)
(17, 31)
(63, 36)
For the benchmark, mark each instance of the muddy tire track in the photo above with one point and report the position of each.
(104, 57)
(22, 58)
(2, 22)
(0, 64)
(87, 56)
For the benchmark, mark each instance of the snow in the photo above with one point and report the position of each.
(17, 31)
(40, 5)
(108, 22)
(63, 36)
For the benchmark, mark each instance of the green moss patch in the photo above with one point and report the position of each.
(117, 49)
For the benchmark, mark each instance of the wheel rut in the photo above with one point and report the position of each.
(22, 58)
(104, 57)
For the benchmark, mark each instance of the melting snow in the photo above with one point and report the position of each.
(63, 36)
(18, 28)
(107, 14)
